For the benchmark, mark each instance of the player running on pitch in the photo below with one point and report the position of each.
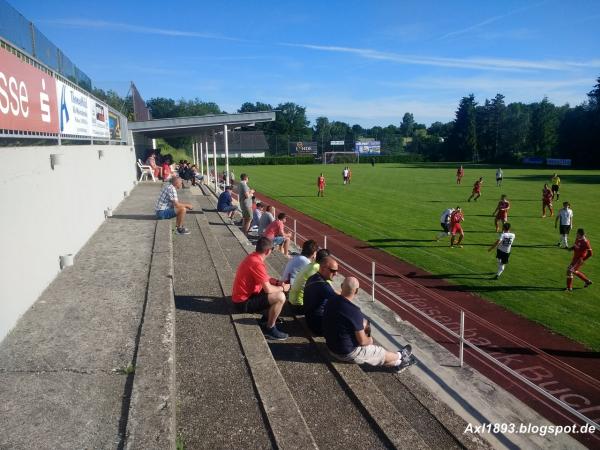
(455, 227)
(460, 173)
(501, 211)
(499, 176)
(476, 190)
(547, 200)
(564, 218)
(503, 245)
(321, 185)
(445, 223)
(582, 250)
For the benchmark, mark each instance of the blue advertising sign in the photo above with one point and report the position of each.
(533, 160)
(558, 162)
(368, 148)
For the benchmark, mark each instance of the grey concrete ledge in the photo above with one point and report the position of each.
(151, 421)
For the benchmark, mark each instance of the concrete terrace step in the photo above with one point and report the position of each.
(325, 396)
(62, 377)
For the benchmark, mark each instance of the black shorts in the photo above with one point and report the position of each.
(256, 303)
(555, 187)
(565, 229)
(499, 179)
(502, 256)
(445, 227)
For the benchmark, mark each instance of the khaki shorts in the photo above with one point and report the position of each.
(246, 213)
(374, 355)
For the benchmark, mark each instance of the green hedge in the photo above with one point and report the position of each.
(276, 160)
(268, 161)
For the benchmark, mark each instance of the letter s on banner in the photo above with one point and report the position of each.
(27, 97)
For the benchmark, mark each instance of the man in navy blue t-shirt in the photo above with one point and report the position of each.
(317, 291)
(344, 328)
(225, 203)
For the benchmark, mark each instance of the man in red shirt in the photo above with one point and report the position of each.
(254, 291)
(276, 232)
(455, 228)
(321, 185)
(547, 196)
(476, 190)
(501, 212)
(582, 250)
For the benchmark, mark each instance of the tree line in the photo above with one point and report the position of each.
(489, 132)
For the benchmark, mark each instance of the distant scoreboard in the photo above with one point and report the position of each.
(368, 147)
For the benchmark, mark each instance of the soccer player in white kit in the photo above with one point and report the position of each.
(565, 217)
(503, 246)
(445, 223)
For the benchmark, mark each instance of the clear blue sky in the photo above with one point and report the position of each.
(354, 61)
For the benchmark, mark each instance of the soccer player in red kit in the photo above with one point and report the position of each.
(321, 185)
(459, 174)
(582, 250)
(455, 228)
(501, 212)
(547, 196)
(476, 190)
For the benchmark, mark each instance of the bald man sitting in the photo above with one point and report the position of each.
(347, 333)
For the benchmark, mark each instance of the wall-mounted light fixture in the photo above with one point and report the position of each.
(55, 160)
(108, 212)
(66, 260)
(125, 193)
(100, 154)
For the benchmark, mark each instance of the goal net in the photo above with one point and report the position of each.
(340, 157)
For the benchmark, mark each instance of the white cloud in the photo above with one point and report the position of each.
(479, 63)
(85, 23)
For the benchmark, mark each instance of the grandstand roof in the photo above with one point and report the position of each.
(197, 125)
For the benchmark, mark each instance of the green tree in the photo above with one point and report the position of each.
(543, 135)
(407, 125)
(462, 142)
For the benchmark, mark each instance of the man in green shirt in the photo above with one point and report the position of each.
(296, 296)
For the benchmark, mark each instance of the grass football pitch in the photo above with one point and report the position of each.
(397, 208)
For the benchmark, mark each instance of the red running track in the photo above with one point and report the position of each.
(564, 368)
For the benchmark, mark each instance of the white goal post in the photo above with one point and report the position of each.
(340, 157)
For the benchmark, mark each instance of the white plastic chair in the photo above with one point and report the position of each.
(145, 171)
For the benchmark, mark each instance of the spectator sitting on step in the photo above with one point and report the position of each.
(256, 214)
(317, 292)
(166, 167)
(169, 206)
(276, 232)
(225, 203)
(296, 296)
(348, 337)
(253, 290)
(309, 251)
(266, 219)
(197, 176)
(151, 161)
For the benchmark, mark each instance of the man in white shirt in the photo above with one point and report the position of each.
(565, 217)
(168, 205)
(503, 246)
(445, 223)
(309, 250)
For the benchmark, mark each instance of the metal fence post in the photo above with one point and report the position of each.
(462, 338)
(373, 280)
(325, 241)
(295, 234)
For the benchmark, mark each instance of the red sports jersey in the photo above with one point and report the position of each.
(547, 195)
(477, 186)
(581, 248)
(503, 207)
(321, 181)
(456, 217)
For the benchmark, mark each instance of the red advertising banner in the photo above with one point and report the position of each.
(27, 97)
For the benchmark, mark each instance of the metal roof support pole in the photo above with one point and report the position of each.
(226, 141)
(215, 161)
(207, 161)
(201, 160)
(194, 153)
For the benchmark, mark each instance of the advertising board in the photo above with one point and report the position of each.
(368, 148)
(114, 125)
(27, 97)
(558, 162)
(303, 148)
(74, 110)
(99, 120)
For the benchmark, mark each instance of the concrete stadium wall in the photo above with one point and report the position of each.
(48, 213)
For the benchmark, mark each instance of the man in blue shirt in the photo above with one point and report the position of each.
(317, 291)
(347, 333)
(225, 203)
